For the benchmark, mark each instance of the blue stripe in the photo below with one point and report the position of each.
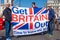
(24, 27)
(37, 10)
(13, 23)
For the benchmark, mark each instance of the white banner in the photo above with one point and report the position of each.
(28, 21)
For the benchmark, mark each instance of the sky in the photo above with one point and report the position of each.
(28, 3)
(1, 1)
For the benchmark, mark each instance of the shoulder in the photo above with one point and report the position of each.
(9, 9)
(4, 10)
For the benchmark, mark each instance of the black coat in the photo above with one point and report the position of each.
(7, 13)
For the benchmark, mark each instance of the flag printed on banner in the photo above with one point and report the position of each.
(29, 19)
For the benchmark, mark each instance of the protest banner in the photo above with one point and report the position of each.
(27, 21)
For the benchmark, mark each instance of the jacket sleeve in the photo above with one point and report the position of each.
(53, 14)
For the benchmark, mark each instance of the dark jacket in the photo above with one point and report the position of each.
(51, 14)
(7, 13)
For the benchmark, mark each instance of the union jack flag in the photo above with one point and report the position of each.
(28, 25)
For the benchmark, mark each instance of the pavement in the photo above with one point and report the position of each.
(55, 36)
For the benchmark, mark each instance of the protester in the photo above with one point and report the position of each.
(7, 15)
(51, 17)
(33, 5)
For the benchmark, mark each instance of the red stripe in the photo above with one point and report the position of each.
(31, 25)
(18, 26)
(30, 11)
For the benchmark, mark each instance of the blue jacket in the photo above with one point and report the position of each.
(51, 15)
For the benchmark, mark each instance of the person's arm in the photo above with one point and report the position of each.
(53, 13)
(4, 14)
